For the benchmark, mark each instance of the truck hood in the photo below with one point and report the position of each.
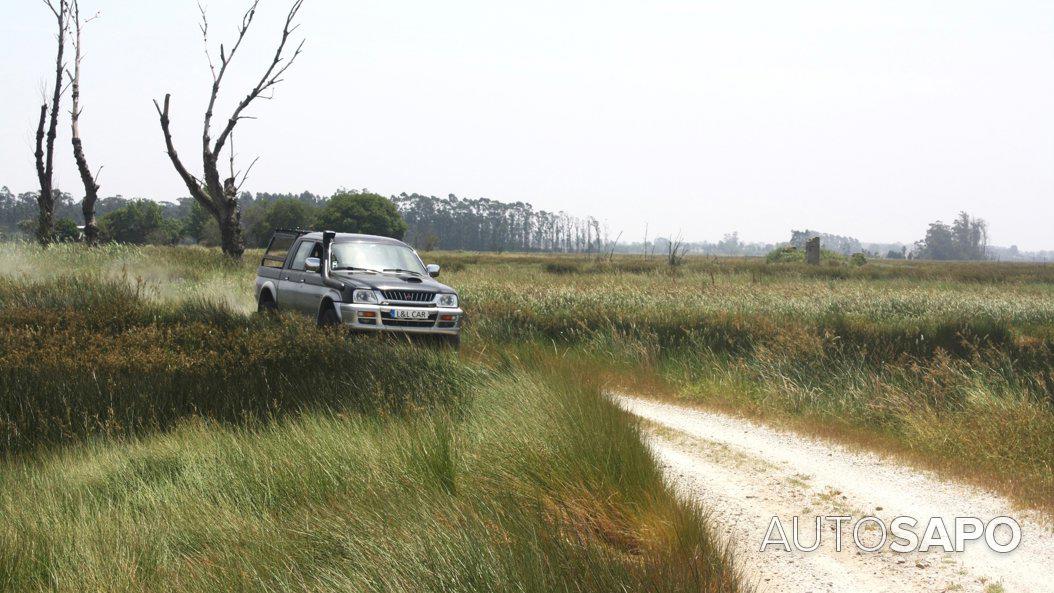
(391, 281)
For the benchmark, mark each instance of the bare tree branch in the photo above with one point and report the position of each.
(204, 26)
(232, 156)
(54, 11)
(217, 79)
(238, 186)
(192, 183)
(269, 78)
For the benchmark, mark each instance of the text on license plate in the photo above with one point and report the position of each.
(409, 314)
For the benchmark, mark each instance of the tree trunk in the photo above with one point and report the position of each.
(91, 188)
(45, 152)
(46, 227)
(91, 194)
(230, 223)
(45, 200)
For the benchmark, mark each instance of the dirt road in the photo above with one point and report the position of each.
(746, 474)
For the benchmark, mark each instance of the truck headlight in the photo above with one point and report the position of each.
(364, 295)
(447, 300)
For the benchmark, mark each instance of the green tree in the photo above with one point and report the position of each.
(971, 237)
(965, 239)
(66, 231)
(284, 213)
(371, 214)
(136, 222)
(938, 243)
(200, 226)
(27, 226)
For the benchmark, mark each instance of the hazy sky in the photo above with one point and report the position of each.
(868, 119)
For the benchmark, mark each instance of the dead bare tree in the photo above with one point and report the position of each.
(676, 251)
(612, 245)
(91, 185)
(220, 198)
(45, 149)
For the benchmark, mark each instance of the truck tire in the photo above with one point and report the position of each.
(452, 342)
(329, 317)
(266, 304)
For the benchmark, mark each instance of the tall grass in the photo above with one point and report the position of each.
(162, 440)
(955, 373)
(80, 357)
(514, 496)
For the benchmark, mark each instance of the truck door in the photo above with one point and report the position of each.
(293, 276)
(300, 289)
(312, 289)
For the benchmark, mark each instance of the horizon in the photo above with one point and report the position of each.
(869, 121)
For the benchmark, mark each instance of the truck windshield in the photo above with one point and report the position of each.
(378, 257)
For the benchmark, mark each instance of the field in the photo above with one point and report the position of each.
(155, 433)
(156, 437)
(948, 364)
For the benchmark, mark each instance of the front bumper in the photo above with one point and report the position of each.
(370, 317)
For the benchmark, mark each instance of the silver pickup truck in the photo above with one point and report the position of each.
(365, 282)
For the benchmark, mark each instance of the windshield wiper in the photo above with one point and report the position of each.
(355, 268)
(403, 271)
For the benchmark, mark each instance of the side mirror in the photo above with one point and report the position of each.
(313, 264)
(433, 270)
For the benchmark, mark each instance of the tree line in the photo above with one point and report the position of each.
(424, 221)
(429, 223)
(141, 221)
(482, 224)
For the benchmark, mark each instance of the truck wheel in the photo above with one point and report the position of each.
(452, 342)
(329, 317)
(266, 305)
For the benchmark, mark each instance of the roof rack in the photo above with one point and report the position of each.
(296, 232)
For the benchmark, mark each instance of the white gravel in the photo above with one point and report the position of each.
(746, 473)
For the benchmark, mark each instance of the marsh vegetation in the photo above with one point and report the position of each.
(155, 432)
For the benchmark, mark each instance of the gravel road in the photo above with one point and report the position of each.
(745, 474)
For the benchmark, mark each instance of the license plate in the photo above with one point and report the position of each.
(409, 314)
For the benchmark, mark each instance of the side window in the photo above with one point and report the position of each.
(277, 250)
(302, 253)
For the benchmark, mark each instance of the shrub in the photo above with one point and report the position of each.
(562, 267)
(66, 231)
(139, 222)
(785, 255)
(790, 255)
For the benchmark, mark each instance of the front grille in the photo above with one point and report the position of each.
(409, 296)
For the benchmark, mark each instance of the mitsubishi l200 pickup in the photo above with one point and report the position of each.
(364, 282)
